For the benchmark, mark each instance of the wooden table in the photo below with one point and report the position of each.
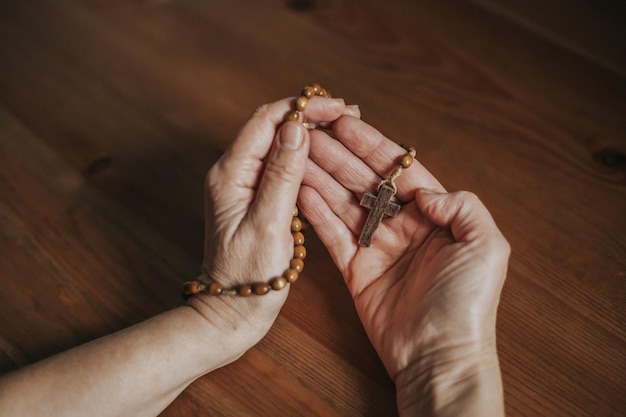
(111, 112)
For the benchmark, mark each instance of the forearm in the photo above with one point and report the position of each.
(137, 371)
(460, 383)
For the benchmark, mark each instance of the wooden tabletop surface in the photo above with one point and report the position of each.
(111, 112)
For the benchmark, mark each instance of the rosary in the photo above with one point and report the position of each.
(380, 206)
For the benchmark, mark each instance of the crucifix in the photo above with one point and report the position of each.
(380, 206)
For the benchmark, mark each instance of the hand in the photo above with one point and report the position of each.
(250, 195)
(427, 289)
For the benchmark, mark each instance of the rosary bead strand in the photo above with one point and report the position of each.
(296, 265)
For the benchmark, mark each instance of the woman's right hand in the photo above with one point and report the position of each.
(428, 288)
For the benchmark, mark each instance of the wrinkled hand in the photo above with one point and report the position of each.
(250, 195)
(430, 283)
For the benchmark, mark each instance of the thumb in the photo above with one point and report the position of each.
(280, 183)
(461, 212)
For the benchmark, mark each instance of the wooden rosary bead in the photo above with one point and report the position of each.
(295, 211)
(261, 288)
(215, 288)
(291, 275)
(308, 91)
(296, 224)
(278, 283)
(299, 252)
(407, 161)
(297, 264)
(245, 290)
(301, 103)
(298, 238)
(294, 116)
(192, 287)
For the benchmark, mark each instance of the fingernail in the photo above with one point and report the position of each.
(291, 135)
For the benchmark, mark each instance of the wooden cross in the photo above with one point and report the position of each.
(380, 206)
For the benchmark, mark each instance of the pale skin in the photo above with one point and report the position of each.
(427, 290)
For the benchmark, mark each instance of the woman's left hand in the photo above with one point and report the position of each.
(250, 196)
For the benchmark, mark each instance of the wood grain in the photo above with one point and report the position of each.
(111, 112)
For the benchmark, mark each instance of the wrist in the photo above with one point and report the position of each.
(235, 323)
(460, 380)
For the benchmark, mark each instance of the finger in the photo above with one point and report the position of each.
(382, 155)
(461, 212)
(340, 163)
(243, 162)
(471, 224)
(352, 110)
(341, 201)
(278, 189)
(345, 205)
(332, 231)
(255, 138)
(344, 198)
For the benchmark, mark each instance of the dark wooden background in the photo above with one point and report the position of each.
(111, 112)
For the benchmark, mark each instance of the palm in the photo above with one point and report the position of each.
(422, 277)
(390, 301)
(416, 282)
(394, 242)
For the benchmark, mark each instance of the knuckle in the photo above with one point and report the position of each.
(505, 247)
(468, 197)
(211, 179)
(281, 170)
